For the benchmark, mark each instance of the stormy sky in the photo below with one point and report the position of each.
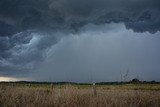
(80, 40)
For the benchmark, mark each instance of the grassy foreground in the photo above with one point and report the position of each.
(126, 95)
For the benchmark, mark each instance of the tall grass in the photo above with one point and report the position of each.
(75, 96)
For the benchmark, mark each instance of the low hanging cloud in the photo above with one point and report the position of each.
(97, 54)
(29, 28)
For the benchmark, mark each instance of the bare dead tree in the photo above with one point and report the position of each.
(125, 76)
(121, 75)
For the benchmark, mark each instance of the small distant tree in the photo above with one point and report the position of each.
(135, 80)
(153, 82)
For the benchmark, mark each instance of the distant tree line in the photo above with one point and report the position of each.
(133, 81)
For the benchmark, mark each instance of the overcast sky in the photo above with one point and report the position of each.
(79, 40)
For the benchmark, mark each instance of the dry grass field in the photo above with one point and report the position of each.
(127, 95)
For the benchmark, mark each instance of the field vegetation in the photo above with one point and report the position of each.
(73, 95)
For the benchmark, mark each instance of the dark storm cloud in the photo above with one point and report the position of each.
(20, 15)
(29, 27)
